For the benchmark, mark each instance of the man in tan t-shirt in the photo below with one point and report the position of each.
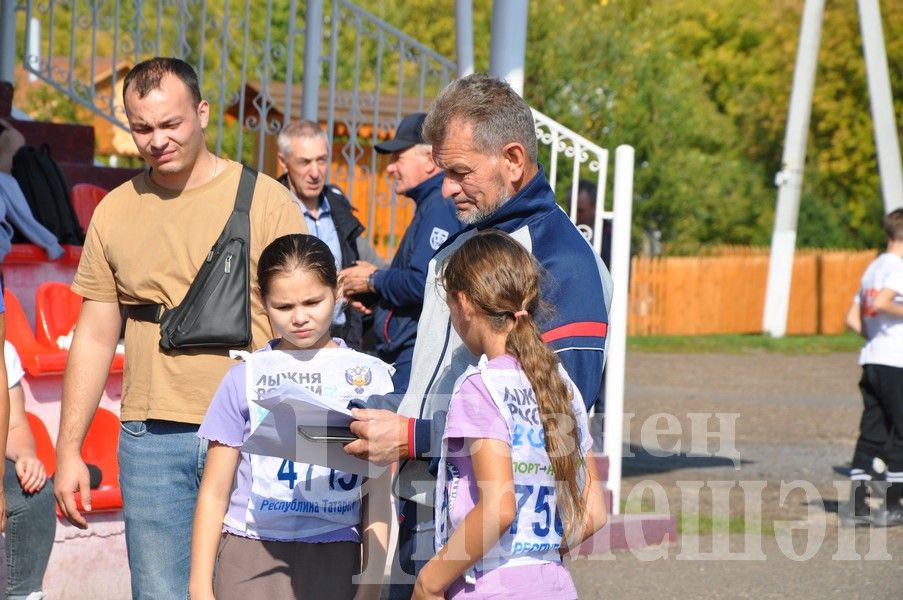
(145, 244)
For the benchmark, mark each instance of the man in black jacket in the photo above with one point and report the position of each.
(303, 155)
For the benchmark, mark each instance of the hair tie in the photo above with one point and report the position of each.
(520, 313)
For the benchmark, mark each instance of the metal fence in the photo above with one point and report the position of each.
(391, 75)
(250, 58)
(587, 160)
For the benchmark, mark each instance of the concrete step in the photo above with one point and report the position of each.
(602, 467)
(627, 532)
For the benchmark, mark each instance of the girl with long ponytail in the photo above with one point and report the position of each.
(517, 485)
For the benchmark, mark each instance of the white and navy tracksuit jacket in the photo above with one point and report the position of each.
(577, 286)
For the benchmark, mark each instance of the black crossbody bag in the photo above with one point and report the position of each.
(216, 310)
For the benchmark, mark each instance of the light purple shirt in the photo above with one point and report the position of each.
(472, 414)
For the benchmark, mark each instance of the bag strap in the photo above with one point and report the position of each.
(245, 192)
(153, 313)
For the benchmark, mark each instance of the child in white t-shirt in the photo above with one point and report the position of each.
(877, 314)
(272, 527)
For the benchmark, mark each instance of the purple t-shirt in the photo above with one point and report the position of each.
(228, 422)
(472, 414)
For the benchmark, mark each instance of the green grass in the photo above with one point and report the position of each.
(693, 524)
(742, 344)
(688, 524)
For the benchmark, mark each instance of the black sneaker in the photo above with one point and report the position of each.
(894, 496)
(857, 511)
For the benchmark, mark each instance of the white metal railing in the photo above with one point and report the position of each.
(391, 75)
(568, 149)
(583, 154)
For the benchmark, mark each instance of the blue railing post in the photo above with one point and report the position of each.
(8, 40)
(464, 36)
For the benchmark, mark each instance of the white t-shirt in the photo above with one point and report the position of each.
(884, 332)
(14, 370)
(279, 499)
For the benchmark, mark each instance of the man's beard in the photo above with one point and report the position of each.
(478, 215)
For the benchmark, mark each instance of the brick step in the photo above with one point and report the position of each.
(629, 532)
(602, 470)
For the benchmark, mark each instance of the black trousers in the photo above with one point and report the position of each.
(881, 427)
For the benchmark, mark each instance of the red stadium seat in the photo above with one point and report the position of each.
(100, 448)
(42, 442)
(37, 359)
(56, 312)
(85, 197)
(30, 255)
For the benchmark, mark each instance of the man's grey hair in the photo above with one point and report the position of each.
(496, 112)
(300, 129)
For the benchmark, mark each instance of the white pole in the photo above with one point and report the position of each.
(509, 42)
(886, 140)
(617, 319)
(790, 179)
(34, 46)
(464, 33)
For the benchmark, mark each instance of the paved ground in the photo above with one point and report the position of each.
(790, 424)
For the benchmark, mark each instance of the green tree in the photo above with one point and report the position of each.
(746, 51)
(619, 79)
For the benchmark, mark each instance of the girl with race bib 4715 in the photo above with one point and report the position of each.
(271, 527)
(517, 483)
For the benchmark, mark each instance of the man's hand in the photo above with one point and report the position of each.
(31, 474)
(90, 355)
(71, 476)
(383, 436)
(854, 318)
(358, 306)
(206, 594)
(356, 279)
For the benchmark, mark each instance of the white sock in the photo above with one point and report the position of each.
(861, 475)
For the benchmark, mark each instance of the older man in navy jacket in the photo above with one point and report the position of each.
(484, 139)
(400, 287)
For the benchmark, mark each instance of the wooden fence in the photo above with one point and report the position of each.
(725, 293)
(720, 293)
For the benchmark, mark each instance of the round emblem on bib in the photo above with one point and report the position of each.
(359, 377)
